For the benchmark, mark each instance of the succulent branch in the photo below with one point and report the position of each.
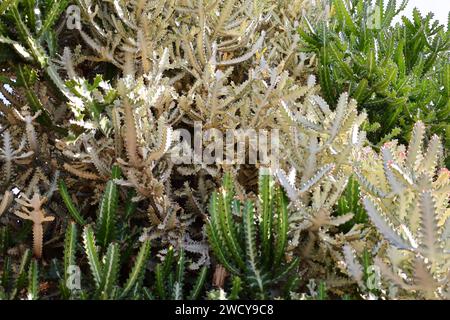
(411, 213)
(32, 210)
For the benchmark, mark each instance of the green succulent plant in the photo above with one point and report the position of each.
(170, 278)
(398, 73)
(93, 120)
(250, 240)
(106, 247)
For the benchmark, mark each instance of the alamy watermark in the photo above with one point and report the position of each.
(235, 146)
(373, 17)
(73, 281)
(73, 14)
(373, 280)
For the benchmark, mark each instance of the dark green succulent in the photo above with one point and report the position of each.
(250, 240)
(398, 73)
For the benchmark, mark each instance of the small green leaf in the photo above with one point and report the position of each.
(137, 273)
(6, 4)
(344, 16)
(6, 276)
(110, 270)
(349, 202)
(180, 267)
(70, 247)
(69, 204)
(22, 273)
(106, 221)
(130, 205)
(282, 226)
(322, 291)
(160, 287)
(33, 281)
(256, 277)
(199, 283)
(92, 254)
(235, 288)
(52, 16)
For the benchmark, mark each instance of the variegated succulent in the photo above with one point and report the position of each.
(320, 146)
(406, 194)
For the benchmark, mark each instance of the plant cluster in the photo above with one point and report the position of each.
(105, 195)
(398, 73)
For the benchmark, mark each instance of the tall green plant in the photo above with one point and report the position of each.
(171, 282)
(250, 240)
(104, 270)
(105, 243)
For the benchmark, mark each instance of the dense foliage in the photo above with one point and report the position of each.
(398, 73)
(113, 116)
